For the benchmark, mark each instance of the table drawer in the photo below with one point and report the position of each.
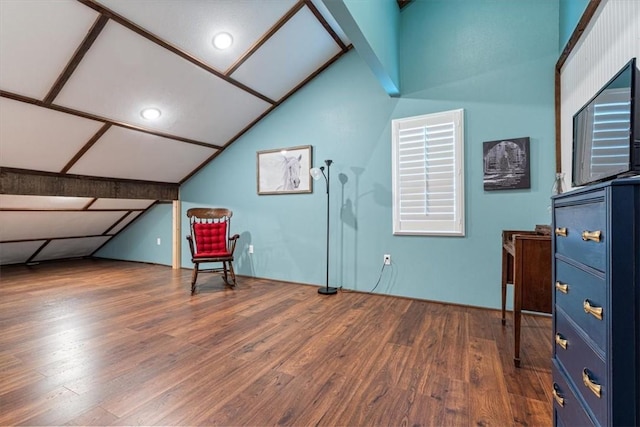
(573, 289)
(567, 410)
(571, 224)
(583, 367)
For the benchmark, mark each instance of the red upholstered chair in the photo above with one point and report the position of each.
(210, 242)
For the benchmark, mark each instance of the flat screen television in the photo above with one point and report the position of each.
(606, 131)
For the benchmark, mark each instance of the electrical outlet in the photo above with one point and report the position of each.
(387, 259)
(158, 241)
(250, 249)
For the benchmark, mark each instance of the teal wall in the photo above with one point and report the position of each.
(138, 241)
(503, 80)
(570, 13)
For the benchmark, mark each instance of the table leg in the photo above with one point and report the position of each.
(505, 260)
(517, 308)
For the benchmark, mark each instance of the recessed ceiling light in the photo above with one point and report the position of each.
(222, 40)
(150, 113)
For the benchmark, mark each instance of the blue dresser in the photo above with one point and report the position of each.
(596, 305)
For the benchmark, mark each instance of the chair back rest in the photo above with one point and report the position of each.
(209, 229)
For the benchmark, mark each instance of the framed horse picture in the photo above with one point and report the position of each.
(285, 170)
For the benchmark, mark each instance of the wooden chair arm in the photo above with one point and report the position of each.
(232, 243)
(190, 240)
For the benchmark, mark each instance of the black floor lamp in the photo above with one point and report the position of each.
(316, 173)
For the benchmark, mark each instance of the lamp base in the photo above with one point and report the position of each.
(327, 290)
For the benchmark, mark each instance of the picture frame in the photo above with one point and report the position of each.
(507, 164)
(284, 170)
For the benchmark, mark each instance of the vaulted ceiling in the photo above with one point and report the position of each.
(79, 162)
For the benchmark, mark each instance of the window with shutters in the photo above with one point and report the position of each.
(428, 174)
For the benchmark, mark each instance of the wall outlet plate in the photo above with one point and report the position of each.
(387, 259)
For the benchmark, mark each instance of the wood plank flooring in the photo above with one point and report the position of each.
(98, 342)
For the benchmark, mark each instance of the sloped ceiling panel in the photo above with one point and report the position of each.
(70, 248)
(18, 252)
(191, 29)
(194, 103)
(10, 201)
(285, 60)
(122, 204)
(125, 221)
(37, 38)
(37, 138)
(55, 224)
(126, 154)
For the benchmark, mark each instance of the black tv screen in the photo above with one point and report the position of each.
(606, 140)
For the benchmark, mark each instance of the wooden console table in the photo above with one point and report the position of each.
(526, 263)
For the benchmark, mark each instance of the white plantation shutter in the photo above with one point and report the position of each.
(428, 174)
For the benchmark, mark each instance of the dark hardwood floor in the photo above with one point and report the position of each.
(97, 342)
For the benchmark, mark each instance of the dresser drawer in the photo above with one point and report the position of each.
(575, 222)
(567, 410)
(583, 366)
(573, 289)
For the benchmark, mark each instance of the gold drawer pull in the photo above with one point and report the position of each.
(592, 310)
(562, 287)
(557, 396)
(591, 235)
(591, 385)
(561, 341)
(561, 231)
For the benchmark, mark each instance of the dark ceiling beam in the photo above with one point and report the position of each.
(326, 25)
(37, 102)
(36, 183)
(86, 147)
(84, 47)
(173, 49)
(265, 37)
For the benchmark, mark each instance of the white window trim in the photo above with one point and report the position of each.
(426, 223)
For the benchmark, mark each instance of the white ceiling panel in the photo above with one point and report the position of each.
(25, 225)
(194, 103)
(331, 21)
(37, 39)
(127, 154)
(37, 138)
(126, 221)
(291, 55)
(11, 201)
(71, 248)
(124, 204)
(18, 252)
(191, 24)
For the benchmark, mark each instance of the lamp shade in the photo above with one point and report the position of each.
(315, 173)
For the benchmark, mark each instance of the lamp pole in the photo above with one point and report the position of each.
(327, 290)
